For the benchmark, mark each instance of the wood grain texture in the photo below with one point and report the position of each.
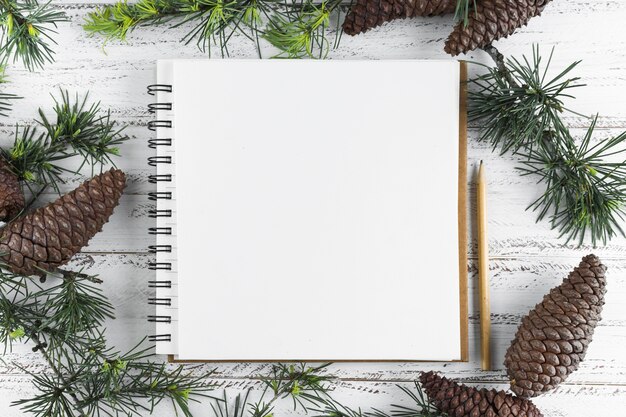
(527, 257)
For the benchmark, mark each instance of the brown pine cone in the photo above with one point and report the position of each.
(367, 14)
(457, 400)
(11, 195)
(491, 20)
(553, 338)
(50, 236)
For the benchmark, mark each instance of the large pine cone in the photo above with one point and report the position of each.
(49, 236)
(491, 20)
(11, 195)
(553, 338)
(457, 400)
(367, 14)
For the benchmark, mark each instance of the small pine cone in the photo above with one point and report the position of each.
(553, 338)
(457, 400)
(50, 236)
(491, 20)
(11, 195)
(367, 14)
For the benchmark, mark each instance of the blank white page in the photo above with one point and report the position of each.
(317, 209)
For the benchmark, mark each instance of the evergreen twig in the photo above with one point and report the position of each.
(521, 109)
(64, 322)
(296, 28)
(306, 386)
(309, 389)
(26, 32)
(78, 129)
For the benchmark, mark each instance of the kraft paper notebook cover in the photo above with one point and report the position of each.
(309, 210)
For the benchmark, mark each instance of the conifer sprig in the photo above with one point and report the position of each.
(516, 106)
(521, 109)
(585, 188)
(297, 28)
(77, 129)
(419, 406)
(306, 386)
(310, 391)
(27, 28)
(65, 324)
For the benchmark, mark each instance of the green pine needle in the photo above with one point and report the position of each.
(6, 99)
(297, 28)
(27, 32)
(585, 184)
(301, 34)
(516, 106)
(78, 129)
(463, 9)
(6, 103)
(115, 384)
(520, 109)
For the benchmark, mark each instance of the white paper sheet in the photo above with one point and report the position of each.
(317, 209)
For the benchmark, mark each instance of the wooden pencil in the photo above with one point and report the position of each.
(483, 271)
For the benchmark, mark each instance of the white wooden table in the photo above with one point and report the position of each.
(528, 258)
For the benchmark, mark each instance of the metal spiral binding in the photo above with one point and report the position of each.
(155, 160)
(159, 213)
(155, 301)
(154, 107)
(153, 179)
(160, 338)
(163, 195)
(154, 88)
(160, 248)
(154, 124)
(160, 319)
(154, 143)
(159, 284)
(165, 266)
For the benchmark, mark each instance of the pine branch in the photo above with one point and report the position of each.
(305, 386)
(521, 110)
(310, 390)
(26, 32)
(301, 34)
(65, 324)
(585, 187)
(296, 28)
(41, 346)
(516, 102)
(498, 58)
(78, 129)
(420, 407)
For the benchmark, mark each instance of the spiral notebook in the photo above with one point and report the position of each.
(309, 210)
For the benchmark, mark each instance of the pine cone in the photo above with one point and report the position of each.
(457, 400)
(491, 20)
(553, 338)
(48, 237)
(367, 14)
(11, 195)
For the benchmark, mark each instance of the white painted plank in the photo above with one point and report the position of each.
(565, 401)
(528, 257)
(516, 286)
